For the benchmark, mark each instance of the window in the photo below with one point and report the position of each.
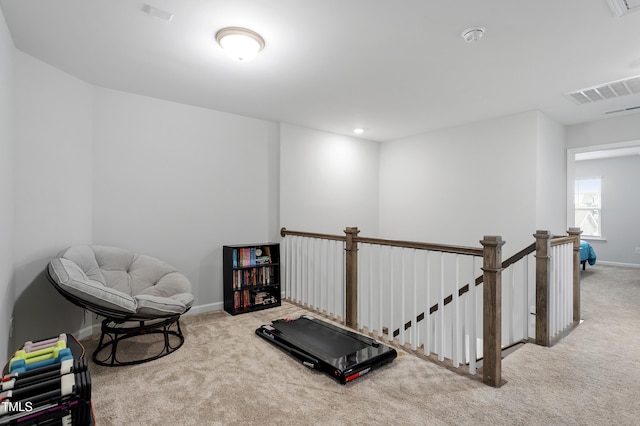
(588, 206)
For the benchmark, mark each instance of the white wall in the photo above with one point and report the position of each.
(52, 172)
(620, 207)
(619, 131)
(328, 182)
(178, 182)
(7, 289)
(551, 172)
(611, 130)
(456, 185)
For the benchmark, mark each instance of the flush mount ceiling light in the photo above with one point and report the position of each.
(358, 130)
(240, 44)
(473, 34)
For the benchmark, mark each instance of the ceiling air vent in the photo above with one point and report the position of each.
(623, 109)
(615, 89)
(622, 7)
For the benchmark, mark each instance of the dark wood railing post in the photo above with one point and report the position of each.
(575, 233)
(543, 277)
(492, 310)
(351, 278)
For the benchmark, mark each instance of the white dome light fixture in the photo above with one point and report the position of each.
(240, 44)
(473, 34)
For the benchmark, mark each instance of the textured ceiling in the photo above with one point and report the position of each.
(394, 68)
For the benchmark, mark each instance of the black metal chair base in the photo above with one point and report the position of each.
(113, 332)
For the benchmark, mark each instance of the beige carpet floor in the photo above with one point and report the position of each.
(226, 375)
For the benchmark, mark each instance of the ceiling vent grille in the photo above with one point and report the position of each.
(623, 110)
(622, 7)
(614, 89)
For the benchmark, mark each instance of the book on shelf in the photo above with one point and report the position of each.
(251, 277)
(242, 300)
(251, 256)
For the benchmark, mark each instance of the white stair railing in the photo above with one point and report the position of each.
(561, 288)
(557, 284)
(413, 295)
(432, 298)
(313, 274)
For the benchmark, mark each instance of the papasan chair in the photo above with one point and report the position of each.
(136, 294)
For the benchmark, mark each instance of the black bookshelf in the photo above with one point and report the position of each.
(251, 277)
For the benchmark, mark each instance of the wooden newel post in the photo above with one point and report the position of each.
(492, 310)
(575, 233)
(351, 279)
(543, 277)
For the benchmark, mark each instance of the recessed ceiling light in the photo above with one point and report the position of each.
(358, 130)
(240, 44)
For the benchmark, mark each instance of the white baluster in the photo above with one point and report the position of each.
(510, 310)
(290, 267)
(336, 282)
(553, 293)
(403, 285)
(298, 263)
(324, 299)
(427, 337)
(364, 280)
(311, 274)
(473, 342)
(440, 339)
(562, 281)
(342, 282)
(391, 291)
(524, 302)
(284, 265)
(569, 283)
(381, 293)
(331, 282)
(456, 336)
(414, 317)
(372, 286)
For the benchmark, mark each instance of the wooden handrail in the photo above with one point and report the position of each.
(445, 248)
(472, 251)
(284, 232)
(562, 240)
(519, 255)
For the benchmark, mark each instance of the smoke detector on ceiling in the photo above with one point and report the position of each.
(473, 34)
(622, 7)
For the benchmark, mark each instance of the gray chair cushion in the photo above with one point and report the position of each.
(120, 281)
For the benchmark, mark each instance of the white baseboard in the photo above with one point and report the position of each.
(88, 331)
(209, 307)
(201, 309)
(625, 265)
